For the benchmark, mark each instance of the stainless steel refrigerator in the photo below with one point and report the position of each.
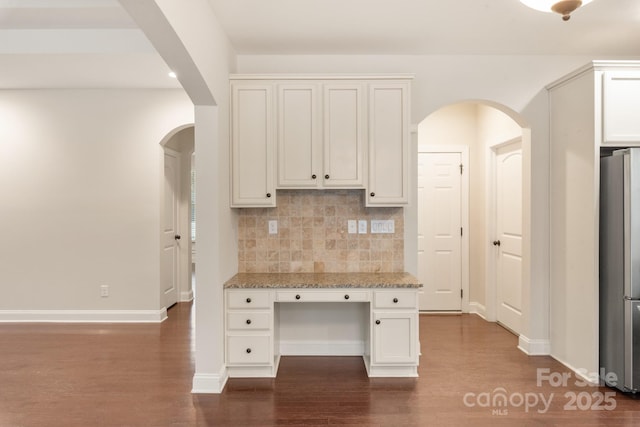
(620, 269)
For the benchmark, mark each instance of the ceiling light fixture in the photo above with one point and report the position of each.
(563, 7)
(173, 74)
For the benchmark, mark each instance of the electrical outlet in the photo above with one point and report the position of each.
(352, 226)
(273, 226)
(362, 226)
(382, 226)
(104, 291)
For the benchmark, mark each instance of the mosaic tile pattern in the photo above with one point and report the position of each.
(312, 235)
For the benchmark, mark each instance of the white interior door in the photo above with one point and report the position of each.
(508, 243)
(169, 263)
(439, 231)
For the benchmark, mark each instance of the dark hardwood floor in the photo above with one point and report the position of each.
(140, 375)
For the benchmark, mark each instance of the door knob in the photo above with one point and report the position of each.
(177, 237)
(496, 243)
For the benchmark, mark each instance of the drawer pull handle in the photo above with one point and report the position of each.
(313, 176)
(395, 300)
(346, 296)
(326, 176)
(248, 350)
(248, 321)
(248, 300)
(297, 296)
(377, 322)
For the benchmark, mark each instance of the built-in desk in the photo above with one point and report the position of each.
(253, 301)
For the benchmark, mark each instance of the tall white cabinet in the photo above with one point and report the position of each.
(252, 145)
(388, 147)
(592, 109)
(292, 132)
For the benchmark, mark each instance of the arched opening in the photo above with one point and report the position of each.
(474, 212)
(177, 217)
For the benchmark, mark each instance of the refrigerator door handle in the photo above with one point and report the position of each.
(626, 298)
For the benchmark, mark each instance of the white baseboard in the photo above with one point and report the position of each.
(186, 296)
(533, 347)
(83, 316)
(579, 373)
(210, 383)
(479, 309)
(321, 348)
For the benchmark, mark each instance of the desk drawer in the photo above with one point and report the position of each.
(248, 321)
(342, 295)
(248, 299)
(395, 299)
(248, 350)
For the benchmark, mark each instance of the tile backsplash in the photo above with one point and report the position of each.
(313, 237)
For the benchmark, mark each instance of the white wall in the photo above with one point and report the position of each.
(80, 175)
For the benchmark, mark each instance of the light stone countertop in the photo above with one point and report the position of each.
(321, 280)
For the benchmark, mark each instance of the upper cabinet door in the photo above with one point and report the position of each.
(388, 144)
(343, 136)
(252, 148)
(621, 107)
(299, 142)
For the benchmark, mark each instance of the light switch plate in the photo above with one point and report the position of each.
(273, 226)
(362, 226)
(352, 226)
(379, 226)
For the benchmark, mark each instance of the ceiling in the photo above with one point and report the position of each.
(501, 27)
(94, 43)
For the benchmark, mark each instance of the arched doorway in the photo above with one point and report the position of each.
(177, 218)
(467, 143)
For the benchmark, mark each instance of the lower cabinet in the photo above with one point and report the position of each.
(249, 333)
(248, 349)
(394, 338)
(394, 334)
(252, 328)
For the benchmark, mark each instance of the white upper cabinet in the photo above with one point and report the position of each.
(343, 136)
(252, 148)
(320, 136)
(621, 107)
(319, 132)
(388, 144)
(299, 136)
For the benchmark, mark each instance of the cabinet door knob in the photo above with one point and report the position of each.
(395, 300)
(297, 296)
(326, 176)
(346, 296)
(313, 176)
(268, 195)
(377, 322)
(248, 300)
(372, 194)
(248, 321)
(248, 350)
(496, 243)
